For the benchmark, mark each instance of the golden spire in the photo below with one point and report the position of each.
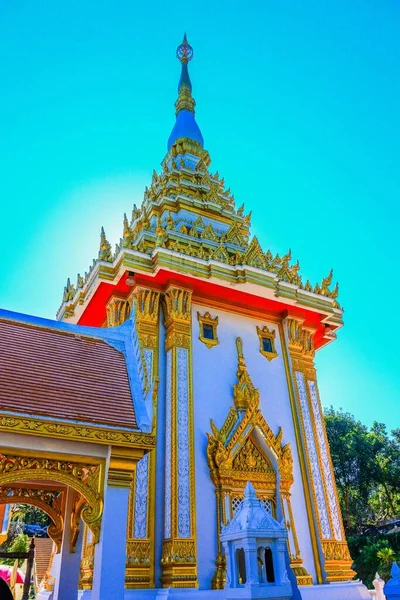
(245, 395)
(185, 126)
(126, 236)
(105, 252)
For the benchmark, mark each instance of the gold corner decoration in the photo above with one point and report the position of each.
(118, 311)
(246, 449)
(208, 329)
(267, 337)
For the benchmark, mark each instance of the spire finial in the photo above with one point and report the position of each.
(185, 126)
(184, 51)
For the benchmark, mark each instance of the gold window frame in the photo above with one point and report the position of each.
(269, 334)
(207, 319)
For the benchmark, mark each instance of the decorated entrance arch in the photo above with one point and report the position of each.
(85, 477)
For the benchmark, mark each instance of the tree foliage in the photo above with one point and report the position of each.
(20, 543)
(366, 463)
(30, 515)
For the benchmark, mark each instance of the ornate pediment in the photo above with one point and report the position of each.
(235, 452)
(250, 459)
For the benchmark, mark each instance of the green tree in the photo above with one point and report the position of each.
(19, 544)
(30, 515)
(367, 470)
(366, 463)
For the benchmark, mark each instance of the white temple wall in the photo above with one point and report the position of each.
(214, 374)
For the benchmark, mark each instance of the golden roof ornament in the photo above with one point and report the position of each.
(105, 252)
(126, 236)
(245, 395)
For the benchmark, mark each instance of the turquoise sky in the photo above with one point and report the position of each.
(298, 103)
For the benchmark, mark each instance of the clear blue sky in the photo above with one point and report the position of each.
(298, 103)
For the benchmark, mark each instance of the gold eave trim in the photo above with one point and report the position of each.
(221, 273)
(64, 430)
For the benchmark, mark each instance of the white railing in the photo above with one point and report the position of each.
(377, 592)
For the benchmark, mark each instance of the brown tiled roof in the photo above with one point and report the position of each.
(63, 376)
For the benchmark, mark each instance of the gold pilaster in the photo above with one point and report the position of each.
(118, 311)
(141, 538)
(334, 555)
(178, 562)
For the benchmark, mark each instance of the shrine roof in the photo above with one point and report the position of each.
(64, 371)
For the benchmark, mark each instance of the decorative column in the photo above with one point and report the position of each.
(141, 515)
(334, 552)
(179, 547)
(118, 311)
(67, 579)
(110, 552)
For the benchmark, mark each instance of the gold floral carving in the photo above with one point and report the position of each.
(52, 502)
(337, 560)
(72, 431)
(301, 339)
(147, 305)
(250, 460)
(177, 317)
(138, 563)
(178, 562)
(118, 311)
(177, 305)
(87, 479)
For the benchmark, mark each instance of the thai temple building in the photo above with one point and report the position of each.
(169, 421)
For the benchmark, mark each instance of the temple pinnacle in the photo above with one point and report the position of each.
(185, 125)
(184, 51)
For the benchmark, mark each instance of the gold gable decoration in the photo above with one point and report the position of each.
(251, 460)
(235, 456)
(245, 395)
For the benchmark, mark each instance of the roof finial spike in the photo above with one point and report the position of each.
(184, 51)
(185, 126)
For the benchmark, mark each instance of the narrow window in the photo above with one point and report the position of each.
(267, 344)
(269, 566)
(241, 566)
(208, 331)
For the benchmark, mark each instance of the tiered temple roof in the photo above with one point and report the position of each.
(188, 223)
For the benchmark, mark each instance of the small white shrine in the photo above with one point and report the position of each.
(255, 544)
